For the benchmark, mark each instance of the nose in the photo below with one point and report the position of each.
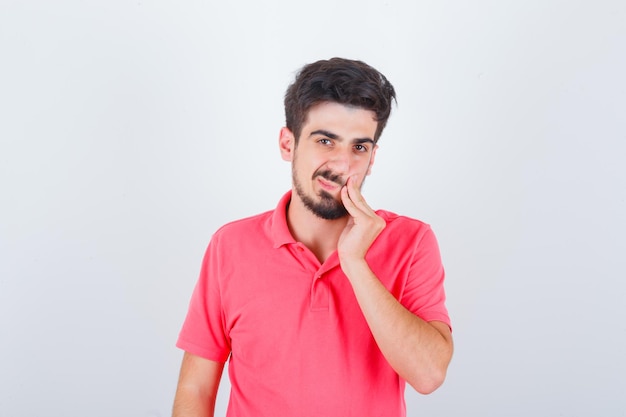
(339, 163)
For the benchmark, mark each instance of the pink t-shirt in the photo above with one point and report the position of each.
(297, 340)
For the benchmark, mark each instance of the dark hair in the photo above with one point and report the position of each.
(342, 81)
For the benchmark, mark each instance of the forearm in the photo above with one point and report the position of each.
(190, 402)
(417, 350)
(197, 387)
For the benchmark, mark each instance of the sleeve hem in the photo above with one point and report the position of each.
(209, 354)
(437, 317)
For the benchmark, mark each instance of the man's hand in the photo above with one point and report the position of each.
(418, 351)
(363, 227)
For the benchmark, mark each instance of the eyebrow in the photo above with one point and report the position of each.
(334, 136)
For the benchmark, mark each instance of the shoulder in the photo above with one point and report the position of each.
(406, 232)
(399, 224)
(247, 227)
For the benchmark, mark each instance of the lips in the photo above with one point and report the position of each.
(328, 185)
(327, 177)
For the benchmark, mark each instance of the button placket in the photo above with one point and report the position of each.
(320, 293)
(304, 257)
(320, 285)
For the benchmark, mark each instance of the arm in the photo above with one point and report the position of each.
(197, 387)
(418, 351)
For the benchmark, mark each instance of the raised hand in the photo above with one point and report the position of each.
(363, 227)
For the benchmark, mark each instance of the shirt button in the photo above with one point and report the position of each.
(300, 248)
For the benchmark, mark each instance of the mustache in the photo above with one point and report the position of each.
(329, 176)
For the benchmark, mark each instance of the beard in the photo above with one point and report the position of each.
(326, 206)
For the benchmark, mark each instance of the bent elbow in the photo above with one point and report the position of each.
(427, 384)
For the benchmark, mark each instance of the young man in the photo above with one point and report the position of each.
(324, 306)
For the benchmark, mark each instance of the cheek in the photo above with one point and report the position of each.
(303, 169)
(363, 166)
(311, 166)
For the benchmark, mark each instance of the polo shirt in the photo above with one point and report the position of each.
(296, 338)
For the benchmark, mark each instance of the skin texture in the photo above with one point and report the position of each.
(332, 157)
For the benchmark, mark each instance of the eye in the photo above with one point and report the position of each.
(324, 141)
(360, 148)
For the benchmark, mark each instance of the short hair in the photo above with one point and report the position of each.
(338, 80)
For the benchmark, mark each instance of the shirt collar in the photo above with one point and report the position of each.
(279, 229)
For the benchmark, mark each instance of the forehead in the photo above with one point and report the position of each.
(341, 118)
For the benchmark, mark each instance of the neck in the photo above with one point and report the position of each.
(317, 234)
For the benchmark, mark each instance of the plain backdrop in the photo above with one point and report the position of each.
(131, 130)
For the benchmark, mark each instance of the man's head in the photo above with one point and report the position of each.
(336, 111)
(338, 80)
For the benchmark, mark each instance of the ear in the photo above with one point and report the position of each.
(286, 144)
(372, 158)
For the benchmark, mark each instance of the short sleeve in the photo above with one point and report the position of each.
(424, 292)
(203, 331)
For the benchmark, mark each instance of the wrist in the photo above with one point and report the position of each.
(354, 267)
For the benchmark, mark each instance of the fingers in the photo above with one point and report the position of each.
(353, 199)
(347, 202)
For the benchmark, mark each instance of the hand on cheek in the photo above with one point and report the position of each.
(363, 227)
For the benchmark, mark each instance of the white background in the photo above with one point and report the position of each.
(131, 130)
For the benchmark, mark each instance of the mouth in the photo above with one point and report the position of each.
(328, 180)
(328, 185)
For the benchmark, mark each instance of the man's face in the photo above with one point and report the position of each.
(336, 142)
